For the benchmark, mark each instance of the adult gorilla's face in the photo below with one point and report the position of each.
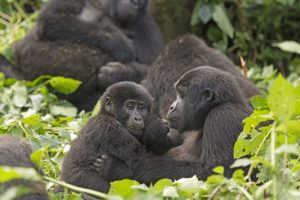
(193, 103)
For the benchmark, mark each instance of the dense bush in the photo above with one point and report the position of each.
(250, 29)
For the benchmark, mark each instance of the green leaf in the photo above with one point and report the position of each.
(292, 127)
(161, 184)
(19, 95)
(219, 170)
(259, 102)
(195, 16)
(249, 143)
(221, 18)
(215, 179)
(289, 46)
(205, 13)
(37, 156)
(64, 85)
(10, 173)
(282, 99)
(63, 108)
(123, 187)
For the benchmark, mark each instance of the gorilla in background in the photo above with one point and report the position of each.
(15, 152)
(6, 68)
(81, 38)
(209, 105)
(179, 56)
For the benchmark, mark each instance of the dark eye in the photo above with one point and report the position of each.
(141, 106)
(130, 105)
(180, 95)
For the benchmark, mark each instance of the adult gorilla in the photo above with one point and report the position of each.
(99, 42)
(178, 57)
(211, 105)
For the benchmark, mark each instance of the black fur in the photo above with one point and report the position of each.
(7, 69)
(179, 56)
(15, 152)
(210, 107)
(76, 38)
(109, 133)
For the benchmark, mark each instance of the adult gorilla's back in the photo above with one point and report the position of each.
(181, 55)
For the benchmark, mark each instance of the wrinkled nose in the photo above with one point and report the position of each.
(138, 118)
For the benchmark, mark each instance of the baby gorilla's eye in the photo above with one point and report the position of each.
(141, 106)
(130, 105)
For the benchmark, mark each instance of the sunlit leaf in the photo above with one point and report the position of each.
(290, 46)
(9, 173)
(64, 85)
(161, 184)
(190, 185)
(282, 99)
(123, 187)
(170, 191)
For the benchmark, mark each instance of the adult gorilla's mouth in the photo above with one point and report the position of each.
(172, 122)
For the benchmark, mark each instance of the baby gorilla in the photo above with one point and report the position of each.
(120, 130)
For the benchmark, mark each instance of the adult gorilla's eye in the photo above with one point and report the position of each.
(180, 96)
(130, 105)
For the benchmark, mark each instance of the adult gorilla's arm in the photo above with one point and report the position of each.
(114, 72)
(59, 20)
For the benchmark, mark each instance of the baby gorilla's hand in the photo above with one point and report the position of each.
(113, 72)
(102, 165)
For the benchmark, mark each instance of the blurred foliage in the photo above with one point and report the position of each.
(16, 19)
(249, 28)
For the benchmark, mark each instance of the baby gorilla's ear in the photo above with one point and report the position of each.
(108, 104)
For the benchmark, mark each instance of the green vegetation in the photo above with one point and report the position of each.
(252, 29)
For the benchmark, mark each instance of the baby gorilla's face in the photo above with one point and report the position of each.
(136, 110)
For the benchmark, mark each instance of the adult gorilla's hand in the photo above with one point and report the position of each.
(114, 72)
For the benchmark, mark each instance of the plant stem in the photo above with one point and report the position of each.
(77, 189)
(273, 160)
(243, 190)
(248, 176)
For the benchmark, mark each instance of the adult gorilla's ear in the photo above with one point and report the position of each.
(208, 95)
(108, 104)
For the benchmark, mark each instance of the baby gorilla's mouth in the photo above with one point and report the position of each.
(136, 131)
(135, 128)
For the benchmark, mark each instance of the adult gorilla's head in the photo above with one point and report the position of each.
(125, 11)
(198, 91)
(129, 103)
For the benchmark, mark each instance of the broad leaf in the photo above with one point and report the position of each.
(289, 46)
(64, 85)
(221, 18)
